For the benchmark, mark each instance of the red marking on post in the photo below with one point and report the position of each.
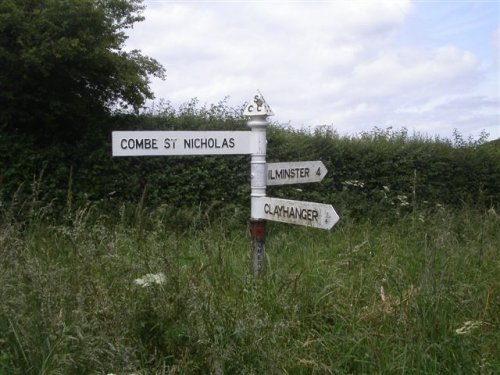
(258, 230)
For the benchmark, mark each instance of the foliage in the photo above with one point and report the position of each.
(406, 282)
(64, 67)
(369, 297)
(384, 168)
(380, 173)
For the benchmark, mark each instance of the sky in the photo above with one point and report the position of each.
(428, 66)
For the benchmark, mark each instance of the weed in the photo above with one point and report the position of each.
(412, 296)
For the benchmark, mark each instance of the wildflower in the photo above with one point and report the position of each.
(468, 327)
(403, 200)
(355, 183)
(151, 278)
(491, 211)
(386, 303)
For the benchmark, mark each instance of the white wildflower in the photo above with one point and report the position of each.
(403, 200)
(356, 183)
(491, 211)
(468, 327)
(151, 278)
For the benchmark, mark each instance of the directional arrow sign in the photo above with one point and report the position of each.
(155, 143)
(310, 214)
(299, 172)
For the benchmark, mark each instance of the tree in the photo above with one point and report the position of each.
(63, 64)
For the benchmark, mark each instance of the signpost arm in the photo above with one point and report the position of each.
(258, 111)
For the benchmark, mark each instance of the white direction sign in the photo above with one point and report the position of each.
(157, 143)
(299, 172)
(310, 214)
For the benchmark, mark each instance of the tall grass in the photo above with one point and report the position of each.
(415, 296)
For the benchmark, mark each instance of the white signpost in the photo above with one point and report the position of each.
(298, 172)
(254, 142)
(310, 214)
(169, 143)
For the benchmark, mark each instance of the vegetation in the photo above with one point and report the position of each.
(132, 293)
(368, 175)
(141, 265)
(64, 67)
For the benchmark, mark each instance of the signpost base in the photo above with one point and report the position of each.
(258, 233)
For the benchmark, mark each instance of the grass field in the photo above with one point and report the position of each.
(132, 295)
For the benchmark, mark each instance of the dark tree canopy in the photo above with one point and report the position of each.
(62, 63)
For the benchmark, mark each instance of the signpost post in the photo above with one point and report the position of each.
(258, 111)
(254, 142)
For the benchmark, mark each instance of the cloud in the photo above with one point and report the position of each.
(317, 63)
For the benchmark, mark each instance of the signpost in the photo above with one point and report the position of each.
(169, 143)
(254, 142)
(258, 111)
(299, 172)
(316, 215)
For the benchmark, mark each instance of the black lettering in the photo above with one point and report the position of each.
(291, 212)
(318, 172)
(169, 143)
(145, 143)
(209, 143)
(315, 215)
